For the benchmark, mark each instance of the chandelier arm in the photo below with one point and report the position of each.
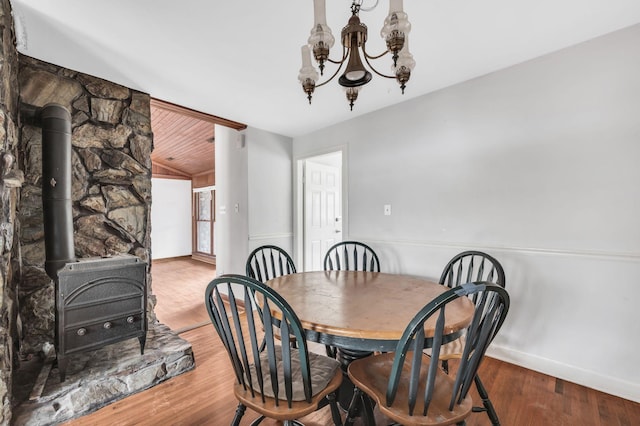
(341, 63)
(366, 58)
(345, 53)
(374, 57)
(335, 62)
(333, 76)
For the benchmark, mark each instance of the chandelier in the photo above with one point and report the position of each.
(395, 32)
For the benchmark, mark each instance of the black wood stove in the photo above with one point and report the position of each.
(99, 301)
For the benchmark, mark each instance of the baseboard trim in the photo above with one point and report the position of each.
(607, 384)
(171, 259)
(204, 258)
(225, 299)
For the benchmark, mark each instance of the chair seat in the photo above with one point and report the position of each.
(326, 377)
(372, 374)
(451, 350)
(322, 371)
(276, 335)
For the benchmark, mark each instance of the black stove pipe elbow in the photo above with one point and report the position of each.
(56, 188)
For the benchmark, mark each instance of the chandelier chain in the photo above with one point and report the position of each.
(370, 8)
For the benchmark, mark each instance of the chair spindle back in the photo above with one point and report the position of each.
(268, 262)
(491, 307)
(351, 256)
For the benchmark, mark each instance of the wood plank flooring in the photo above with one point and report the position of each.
(179, 286)
(203, 396)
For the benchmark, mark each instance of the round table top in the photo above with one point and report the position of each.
(366, 305)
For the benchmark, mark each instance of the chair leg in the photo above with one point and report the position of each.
(486, 402)
(239, 413)
(367, 409)
(335, 411)
(362, 401)
(353, 408)
(331, 351)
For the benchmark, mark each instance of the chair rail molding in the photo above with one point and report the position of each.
(273, 236)
(601, 254)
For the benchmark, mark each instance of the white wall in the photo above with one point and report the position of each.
(270, 190)
(170, 218)
(536, 164)
(253, 165)
(231, 192)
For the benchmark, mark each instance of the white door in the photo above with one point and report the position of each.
(322, 212)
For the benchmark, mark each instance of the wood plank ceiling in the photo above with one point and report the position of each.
(184, 140)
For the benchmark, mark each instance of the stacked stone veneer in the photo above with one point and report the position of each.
(111, 182)
(112, 143)
(10, 181)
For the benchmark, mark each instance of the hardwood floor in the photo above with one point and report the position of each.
(179, 286)
(203, 396)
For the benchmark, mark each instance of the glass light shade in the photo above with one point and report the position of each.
(319, 12)
(307, 71)
(320, 33)
(397, 20)
(352, 95)
(355, 75)
(404, 66)
(405, 58)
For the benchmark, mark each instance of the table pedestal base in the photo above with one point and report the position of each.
(346, 356)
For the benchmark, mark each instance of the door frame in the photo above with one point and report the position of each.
(298, 199)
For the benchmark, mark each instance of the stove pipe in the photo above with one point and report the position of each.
(56, 188)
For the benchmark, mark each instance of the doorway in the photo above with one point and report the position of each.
(184, 245)
(320, 207)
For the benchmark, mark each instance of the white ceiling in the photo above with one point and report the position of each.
(240, 59)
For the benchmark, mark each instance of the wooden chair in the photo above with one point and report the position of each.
(465, 267)
(470, 266)
(351, 256)
(409, 386)
(267, 262)
(279, 382)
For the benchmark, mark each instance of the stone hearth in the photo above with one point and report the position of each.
(98, 378)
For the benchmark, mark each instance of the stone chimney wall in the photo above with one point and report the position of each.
(112, 143)
(111, 183)
(10, 181)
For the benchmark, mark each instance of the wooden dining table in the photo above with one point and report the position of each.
(361, 312)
